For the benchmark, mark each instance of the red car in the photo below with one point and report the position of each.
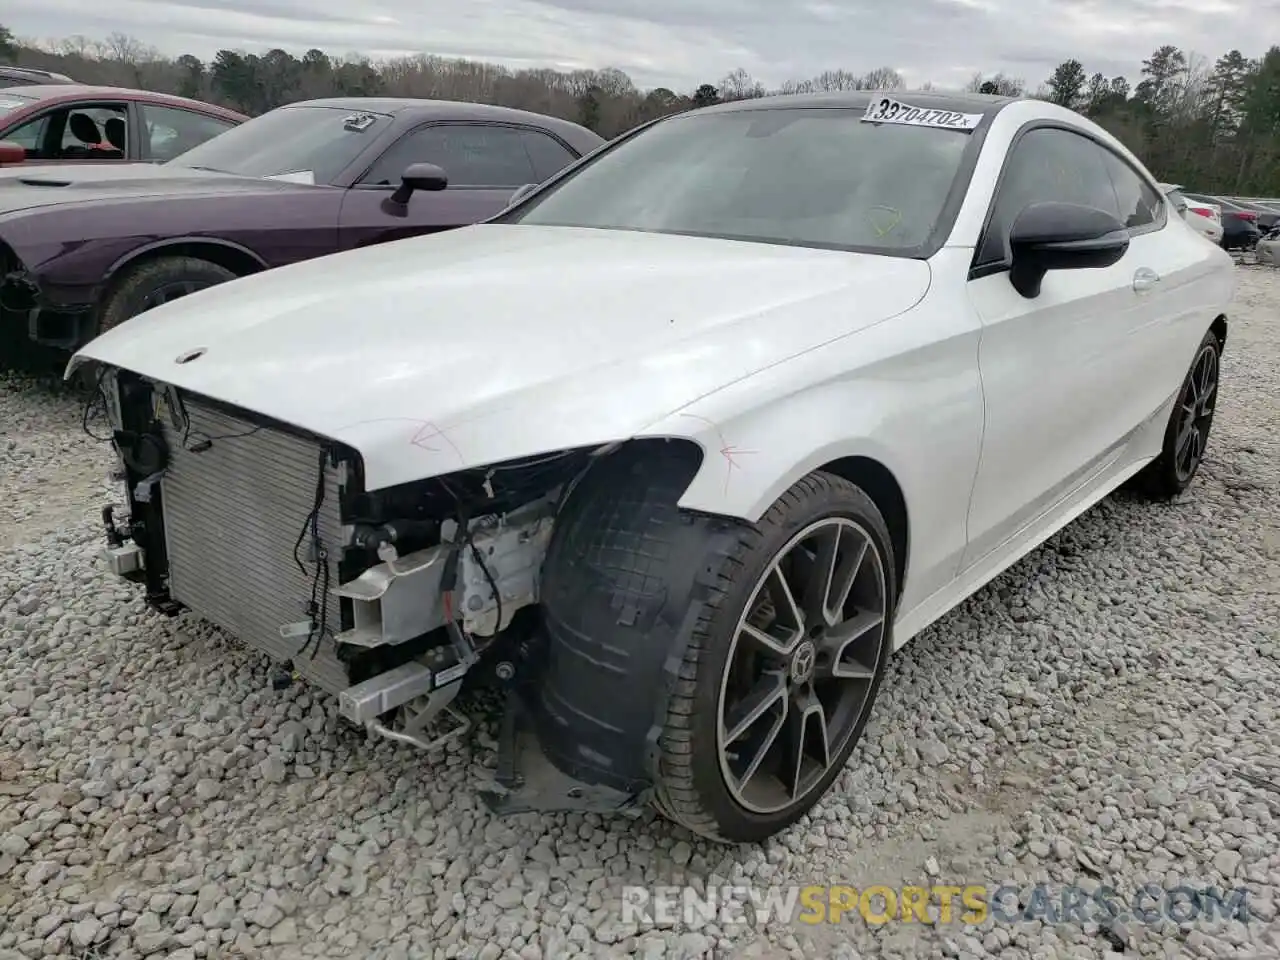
(71, 122)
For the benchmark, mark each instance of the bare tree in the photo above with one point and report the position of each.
(882, 78)
(740, 85)
(127, 49)
(999, 84)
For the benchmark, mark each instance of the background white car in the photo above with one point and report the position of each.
(682, 446)
(1205, 217)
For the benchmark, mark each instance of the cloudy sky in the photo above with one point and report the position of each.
(681, 43)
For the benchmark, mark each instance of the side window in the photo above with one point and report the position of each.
(31, 136)
(1139, 205)
(170, 131)
(1047, 165)
(473, 155)
(548, 154)
(97, 132)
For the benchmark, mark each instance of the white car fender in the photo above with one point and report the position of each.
(861, 397)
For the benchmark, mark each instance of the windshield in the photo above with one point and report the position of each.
(306, 144)
(808, 177)
(12, 101)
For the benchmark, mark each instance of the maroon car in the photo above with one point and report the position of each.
(72, 122)
(83, 248)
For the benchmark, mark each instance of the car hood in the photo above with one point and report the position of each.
(505, 340)
(41, 185)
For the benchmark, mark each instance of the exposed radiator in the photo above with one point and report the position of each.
(232, 514)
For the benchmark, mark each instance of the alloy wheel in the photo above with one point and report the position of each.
(801, 666)
(171, 291)
(1198, 401)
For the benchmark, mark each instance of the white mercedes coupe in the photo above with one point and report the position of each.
(677, 450)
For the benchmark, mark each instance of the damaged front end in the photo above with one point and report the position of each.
(27, 312)
(395, 601)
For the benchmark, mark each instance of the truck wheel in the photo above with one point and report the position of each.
(158, 281)
(778, 682)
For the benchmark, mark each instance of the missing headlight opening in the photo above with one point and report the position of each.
(394, 600)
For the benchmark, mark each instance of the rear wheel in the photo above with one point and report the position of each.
(1186, 436)
(156, 282)
(778, 681)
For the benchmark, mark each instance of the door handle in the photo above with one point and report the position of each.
(1144, 278)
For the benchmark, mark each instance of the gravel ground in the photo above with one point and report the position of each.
(1108, 711)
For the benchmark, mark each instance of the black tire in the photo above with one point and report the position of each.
(1171, 472)
(152, 282)
(690, 788)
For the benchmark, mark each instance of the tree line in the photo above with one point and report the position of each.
(1212, 126)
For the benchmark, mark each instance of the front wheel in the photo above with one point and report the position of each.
(1186, 436)
(778, 681)
(154, 282)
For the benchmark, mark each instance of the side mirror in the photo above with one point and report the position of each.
(12, 152)
(1062, 236)
(419, 176)
(521, 193)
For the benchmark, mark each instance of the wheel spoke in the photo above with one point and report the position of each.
(746, 713)
(1202, 384)
(784, 601)
(846, 641)
(835, 569)
(1205, 384)
(808, 741)
(1184, 439)
(776, 646)
(1187, 456)
(843, 579)
(765, 744)
(817, 591)
(1205, 406)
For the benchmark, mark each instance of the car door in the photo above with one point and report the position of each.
(1063, 374)
(91, 131)
(485, 163)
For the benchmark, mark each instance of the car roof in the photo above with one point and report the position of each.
(410, 110)
(416, 108)
(985, 104)
(73, 91)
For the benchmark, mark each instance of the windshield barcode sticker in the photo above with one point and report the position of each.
(889, 110)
